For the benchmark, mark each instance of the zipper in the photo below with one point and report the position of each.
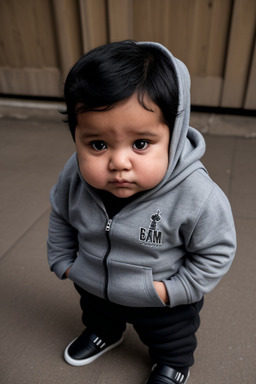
(108, 225)
(107, 230)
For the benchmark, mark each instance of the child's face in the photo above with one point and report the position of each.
(123, 150)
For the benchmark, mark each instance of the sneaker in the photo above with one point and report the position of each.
(162, 374)
(86, 348)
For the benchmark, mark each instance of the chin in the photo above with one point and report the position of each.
(122, 193)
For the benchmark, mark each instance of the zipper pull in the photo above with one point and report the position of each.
(108, 225)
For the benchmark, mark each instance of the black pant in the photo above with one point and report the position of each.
(169, 333)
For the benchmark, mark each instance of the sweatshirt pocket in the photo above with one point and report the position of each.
(88, 272)
(132, 286)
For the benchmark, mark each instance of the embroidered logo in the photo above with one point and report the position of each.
(151, 236)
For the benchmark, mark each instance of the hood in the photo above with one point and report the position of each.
(187, 144)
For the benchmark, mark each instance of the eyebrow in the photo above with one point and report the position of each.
(91, 135)
(98, 135)
(147, 133)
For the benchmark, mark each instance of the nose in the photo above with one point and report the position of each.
(119, 161)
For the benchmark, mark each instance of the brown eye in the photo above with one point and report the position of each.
(140, 144)
(98, 145)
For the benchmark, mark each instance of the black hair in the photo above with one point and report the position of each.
(114, 72)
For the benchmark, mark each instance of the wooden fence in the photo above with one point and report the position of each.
(41, 39)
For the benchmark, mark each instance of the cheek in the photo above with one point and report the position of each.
(153, 171)
(91, 172)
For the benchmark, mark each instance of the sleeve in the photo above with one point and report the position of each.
(210, 251)
(62, 244)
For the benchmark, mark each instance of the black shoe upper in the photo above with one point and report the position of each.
(86, 345)
(162, 374)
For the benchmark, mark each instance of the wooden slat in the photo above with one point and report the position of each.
(67, 21)
(29, 54)
(206, 90)
(31, 81)
(217, 39)
(239, 53)
(162, 21)
(250, 99)
(120, 19)
(208, 51)
(27, 34)
(93, 14)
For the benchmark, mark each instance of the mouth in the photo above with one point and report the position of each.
(121, 183)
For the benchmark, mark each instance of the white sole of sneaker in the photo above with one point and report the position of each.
(187, 377)
(79, 363)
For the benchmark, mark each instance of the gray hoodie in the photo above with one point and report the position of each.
(181, 232)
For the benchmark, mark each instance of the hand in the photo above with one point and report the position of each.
(67, 272)
(161, 291)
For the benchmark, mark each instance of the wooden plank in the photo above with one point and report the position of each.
(208, 51)
(162, 21)
(202, 15)
(67, 21)
(93, 14)
(27, 35)
(43, 82)
(217, 41)
(250, 98)
(239, 53)
(120, 19)
(29, 57)
(206, 90)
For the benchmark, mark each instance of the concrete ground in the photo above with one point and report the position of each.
(40, 315)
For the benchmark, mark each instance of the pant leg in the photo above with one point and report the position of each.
(100, 316)
(171, 334)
